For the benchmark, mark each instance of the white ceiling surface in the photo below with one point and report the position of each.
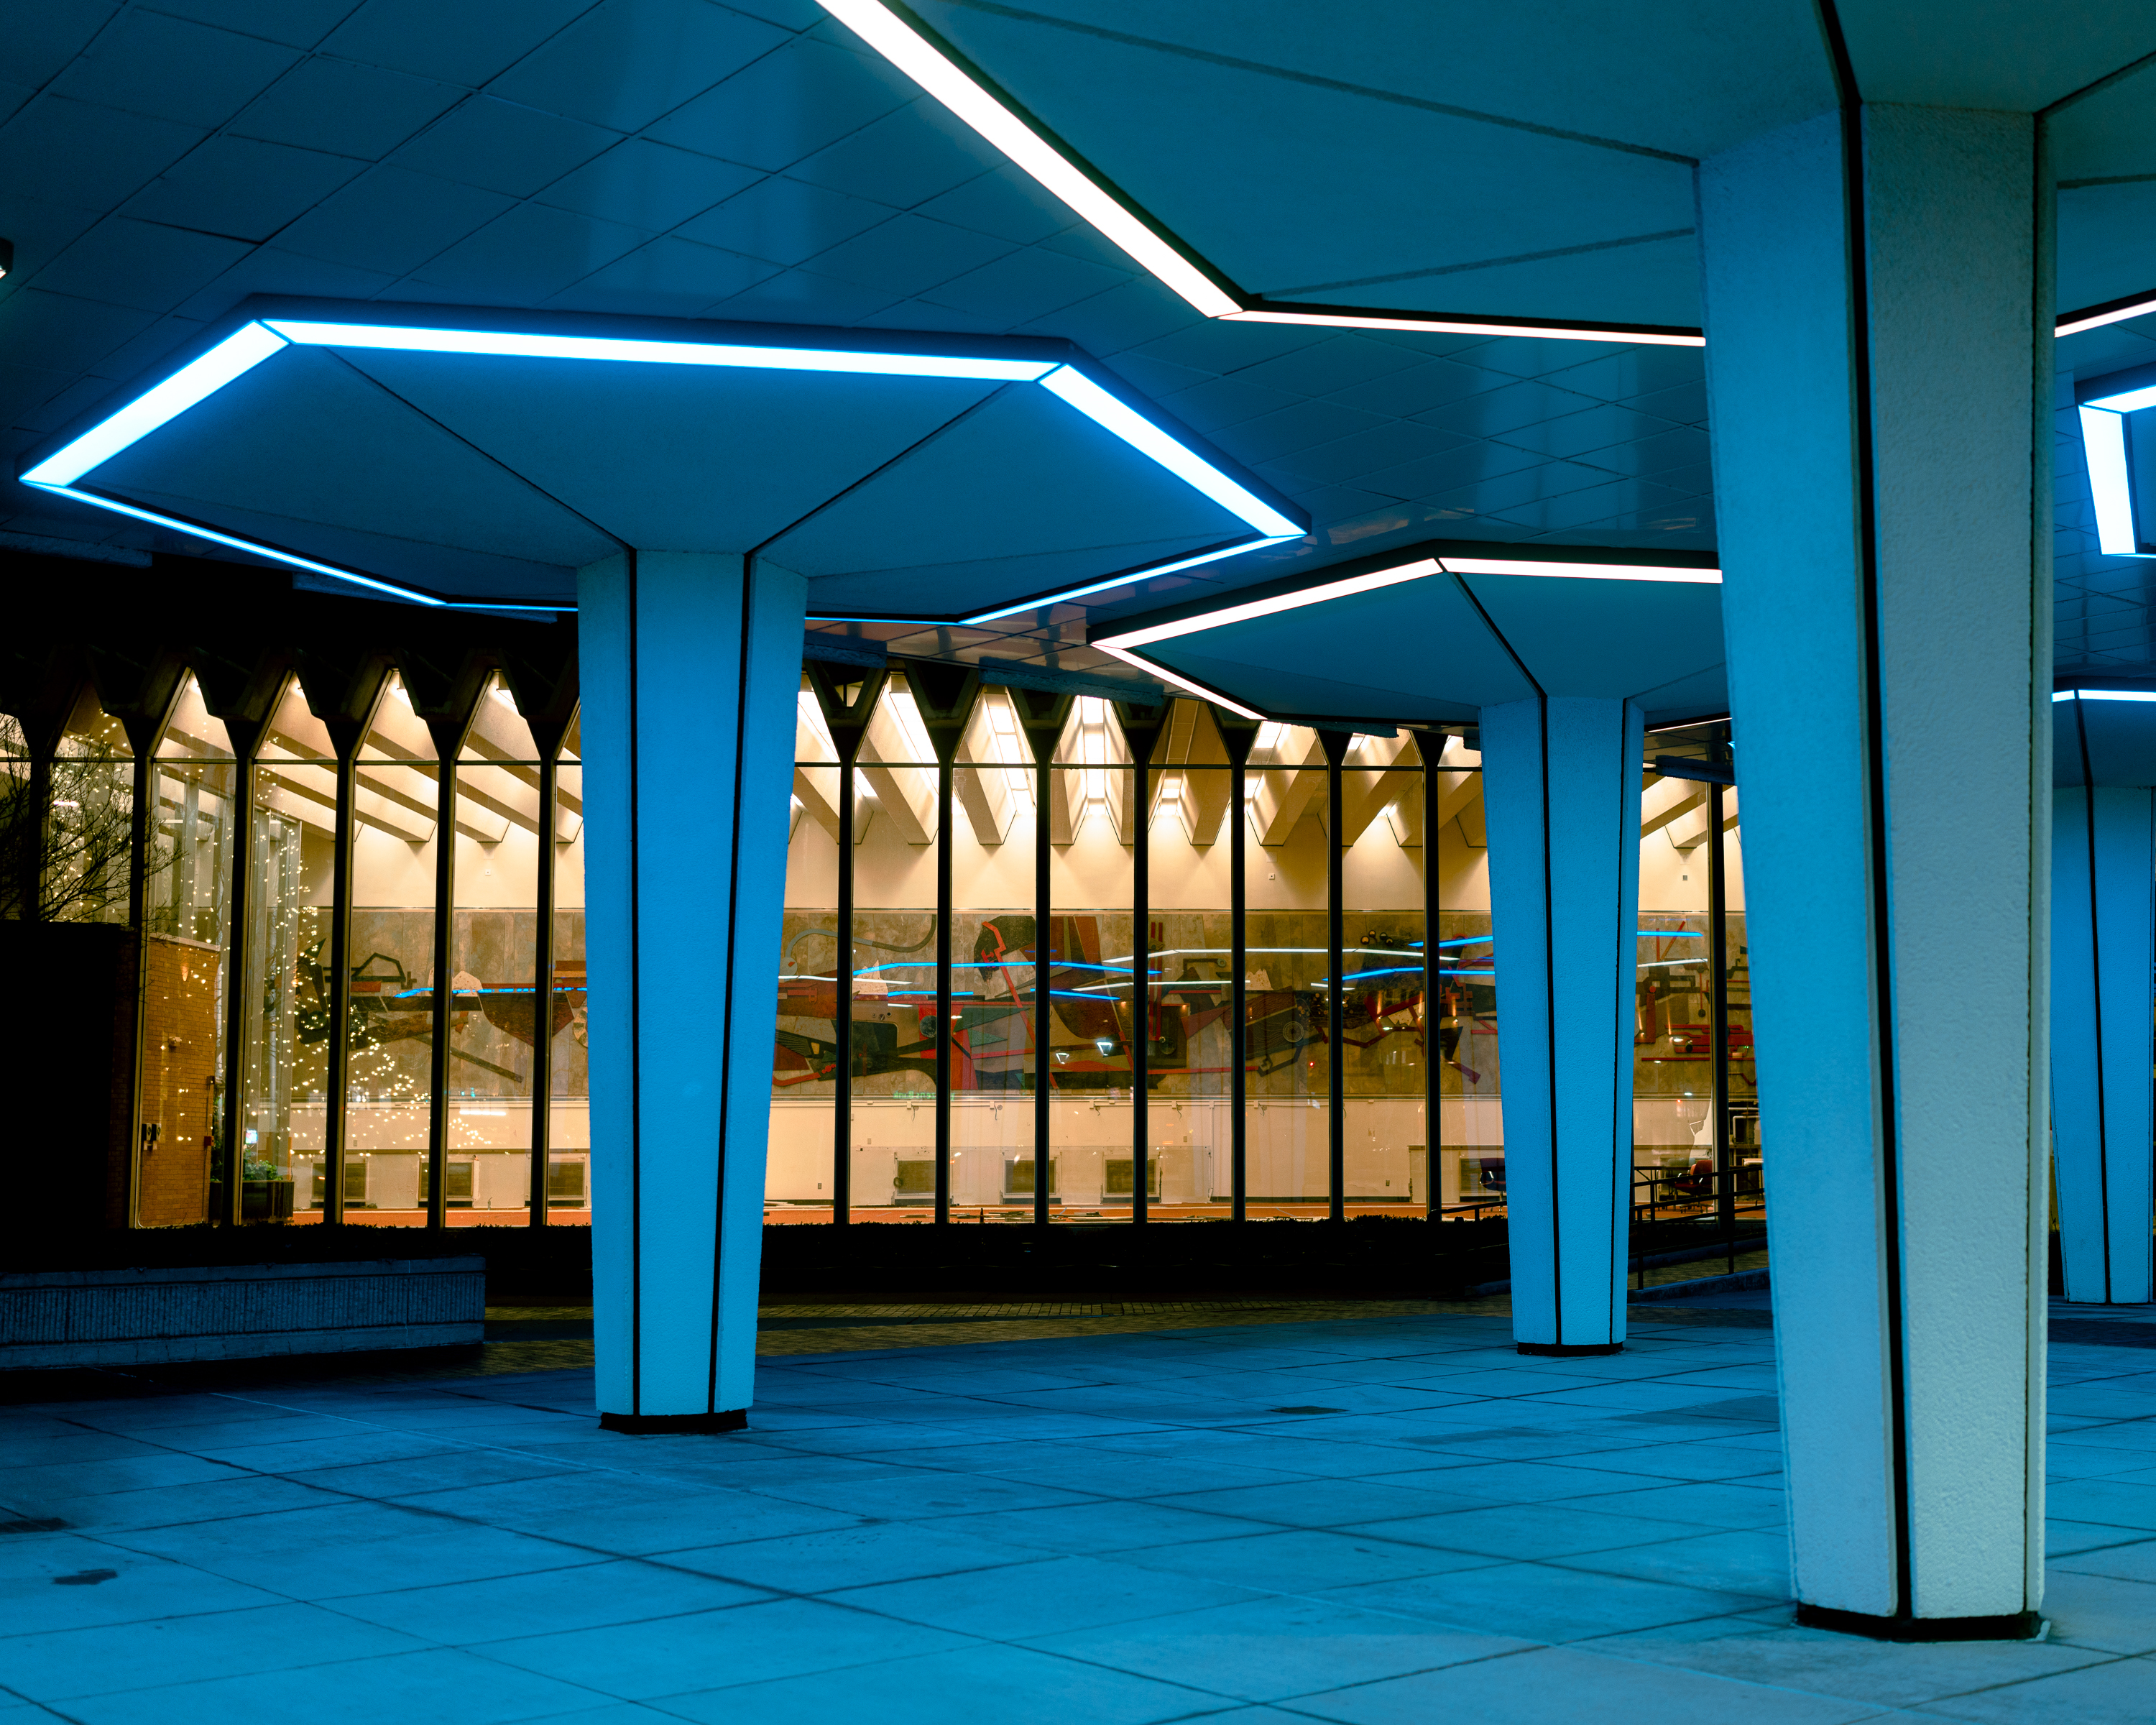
(681, 158)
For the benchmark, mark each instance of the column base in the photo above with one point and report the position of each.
(670, 1424)
(1568, 1350)
(2012, 1626)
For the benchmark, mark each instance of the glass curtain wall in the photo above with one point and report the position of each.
(1470, 1175)
(569, 1101)
(494, 931)
(799, 1171)
(1287, 1124)
(1385, 1137)
(1675, 1093)
(185, 954)
(285, 1003)
(993, 974)
(390, 1045)
(90, 817)
(1093, 1005)
(894, 959)
(1191, 1002)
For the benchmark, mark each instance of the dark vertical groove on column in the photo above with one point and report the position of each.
(1140, 988)
(339, 1054)
(841, 1023)
(445, 911)
(943, 985)
(542, 987)
(732, 980)
(1549, 1019)
(1239, 822)
(635, 1010)
(2095, 991)
(1336, 1016)
(1883, 1038)
(1042, 999)
(1717, 960)
(1433, 1088)
(230, 1165)
(1044, 961)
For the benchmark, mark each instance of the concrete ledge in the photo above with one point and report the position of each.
(117, 1317)
(1744, 1282)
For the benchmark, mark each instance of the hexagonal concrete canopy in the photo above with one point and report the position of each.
(485, 457)
(1432, 633)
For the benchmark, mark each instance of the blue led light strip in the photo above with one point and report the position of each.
(261, 339)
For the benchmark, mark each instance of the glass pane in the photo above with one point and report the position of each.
(493, 947)
(893, 1005)
(186, 948)
(1192, 1000)
(390, 1064)
(1092, 820)
(1386, 1142)
(285, 1006)
(992, 941)
(569, 1105)
(798, 1168)
(1470, 1177)
(17, 884)
(90, 819)
(1287, 1146)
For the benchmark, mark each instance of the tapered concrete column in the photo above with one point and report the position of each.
(690, 672)
(1875, 343)
(2103, 955)
(1561, 793)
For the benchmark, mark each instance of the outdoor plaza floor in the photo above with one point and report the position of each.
(1229, 1514)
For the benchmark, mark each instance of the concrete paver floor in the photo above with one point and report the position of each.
(1386, 1517)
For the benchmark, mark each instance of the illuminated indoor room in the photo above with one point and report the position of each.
(1124, 863)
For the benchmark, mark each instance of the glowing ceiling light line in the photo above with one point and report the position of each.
(254, 549)
(2059, 695)
(1145, 574)
(934, 71)
(509, 344)
(925, 61)
(1467, 326)
(1186, 463)
(1585, 571)
(1164, 674)
(195, 381)
(2126, 401)
(2072, 324)
(2106, 694)
(1353, 584)
(2110, 485)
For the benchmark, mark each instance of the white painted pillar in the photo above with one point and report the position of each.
(1560, 794)
(690, 671)
(2103, 958)
(1877, 356)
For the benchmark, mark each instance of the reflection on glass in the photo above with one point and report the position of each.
(1385, 1141)
(90, 821)
(569, 1103)
(284, 1004)
(797, 1166)
(1286, 931)
(185, 945)
(389, 1070)
(494, 956)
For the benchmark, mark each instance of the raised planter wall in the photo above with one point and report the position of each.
(135, 1317)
